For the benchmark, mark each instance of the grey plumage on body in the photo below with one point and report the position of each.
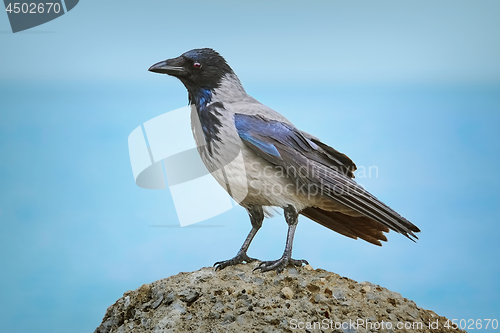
(263, 160)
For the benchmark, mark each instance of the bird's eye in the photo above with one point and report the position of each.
(197, 65)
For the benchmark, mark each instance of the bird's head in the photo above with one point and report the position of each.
(198, 68)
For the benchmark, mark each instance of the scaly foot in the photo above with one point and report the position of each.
(280, 264)
(238, 259)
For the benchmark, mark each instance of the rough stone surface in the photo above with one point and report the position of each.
(237, 299)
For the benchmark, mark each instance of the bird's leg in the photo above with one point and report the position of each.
(292, 218)
(256, 214)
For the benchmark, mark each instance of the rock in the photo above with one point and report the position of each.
(236, 299)
(189, 295)
(287, 292)
(308, 268)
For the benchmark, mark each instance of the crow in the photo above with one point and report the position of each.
(263, 161)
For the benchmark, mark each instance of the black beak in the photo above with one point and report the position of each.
(170, 67)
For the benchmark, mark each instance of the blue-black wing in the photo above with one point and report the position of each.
(314, 166)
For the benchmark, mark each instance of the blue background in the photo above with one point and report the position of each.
(411, 88)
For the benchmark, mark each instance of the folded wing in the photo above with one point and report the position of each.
(314, 165)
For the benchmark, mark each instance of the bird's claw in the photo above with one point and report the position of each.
(238, 259)
(280, 264)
